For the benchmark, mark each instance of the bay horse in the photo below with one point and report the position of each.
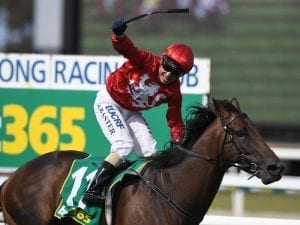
(178, 185)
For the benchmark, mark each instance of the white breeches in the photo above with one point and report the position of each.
(126, 130)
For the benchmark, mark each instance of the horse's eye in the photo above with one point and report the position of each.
(240, 133)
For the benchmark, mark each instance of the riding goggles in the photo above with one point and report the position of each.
(169, 66)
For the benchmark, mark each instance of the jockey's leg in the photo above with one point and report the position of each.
(115, 129)
(144, 143)
(104, 174)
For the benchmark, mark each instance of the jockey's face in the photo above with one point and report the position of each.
(168, 73)
(166, 77)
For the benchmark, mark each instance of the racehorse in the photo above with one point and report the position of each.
(177, 186)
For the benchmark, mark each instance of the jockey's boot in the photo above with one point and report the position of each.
(104, 174)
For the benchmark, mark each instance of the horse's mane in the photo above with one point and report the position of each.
(197, 120)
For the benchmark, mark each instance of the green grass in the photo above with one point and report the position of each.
(285, 205)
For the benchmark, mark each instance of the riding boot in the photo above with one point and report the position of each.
(104, 174)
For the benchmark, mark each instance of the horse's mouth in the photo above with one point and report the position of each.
(271, 174)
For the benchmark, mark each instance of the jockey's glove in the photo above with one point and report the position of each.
(119, 26)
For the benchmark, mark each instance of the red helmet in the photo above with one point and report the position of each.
(182, 55)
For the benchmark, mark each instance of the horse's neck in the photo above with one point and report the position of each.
(197, 179)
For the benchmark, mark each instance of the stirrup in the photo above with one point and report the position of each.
(93, 198)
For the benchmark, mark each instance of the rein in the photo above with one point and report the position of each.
(228, 138)
(166, 197)
(208, 158)
(250, 167)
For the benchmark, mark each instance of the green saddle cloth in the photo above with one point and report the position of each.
(75, 185)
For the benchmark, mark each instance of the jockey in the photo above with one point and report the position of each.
(144, 81)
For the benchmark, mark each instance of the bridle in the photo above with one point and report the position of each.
(250, 166)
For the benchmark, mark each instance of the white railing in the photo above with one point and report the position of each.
(285, 153)
(229, 220)
(239, 182)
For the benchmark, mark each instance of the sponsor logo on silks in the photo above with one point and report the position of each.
(113, 115)
(108, 122)
(111, 119)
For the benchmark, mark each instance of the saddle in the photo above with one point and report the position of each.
(76, 183)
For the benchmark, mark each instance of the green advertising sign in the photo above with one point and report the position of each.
(46, 104)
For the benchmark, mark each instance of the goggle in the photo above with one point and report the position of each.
(170, 66)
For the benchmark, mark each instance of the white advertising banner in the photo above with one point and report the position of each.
(74, 72)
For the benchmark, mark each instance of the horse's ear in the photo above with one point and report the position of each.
(220, 109)
(236, 103)
(218, 106)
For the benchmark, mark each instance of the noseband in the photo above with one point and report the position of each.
(250, 166)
